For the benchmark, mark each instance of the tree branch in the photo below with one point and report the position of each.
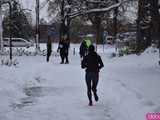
(96, 10)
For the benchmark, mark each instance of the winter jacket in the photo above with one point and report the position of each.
(63, 47)
(92, 62)
(83, 49)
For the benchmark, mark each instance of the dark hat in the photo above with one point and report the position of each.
(91, 48)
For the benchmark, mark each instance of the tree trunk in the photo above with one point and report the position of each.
(140, 37)
(115, 22)
(65, 23)
(62, 21)
(155, 19)
(68, 30)
(98, 29)
(1, 30)
(98, 33)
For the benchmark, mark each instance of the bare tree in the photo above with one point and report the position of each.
(69, 9)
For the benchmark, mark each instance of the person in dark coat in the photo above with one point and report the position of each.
(83, 49)
(49, 48)
(64, 48)
(92, 63)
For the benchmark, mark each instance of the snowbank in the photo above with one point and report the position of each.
(37, 90)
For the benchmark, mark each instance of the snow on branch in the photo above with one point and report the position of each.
(43, 4)
(103, 9)
(4, 1)
(95, 10)
(92, 1)
(95, 2)
(75, 14)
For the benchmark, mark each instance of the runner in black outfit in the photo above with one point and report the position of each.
(93, 63)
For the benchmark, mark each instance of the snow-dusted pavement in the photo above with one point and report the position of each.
(36, 90)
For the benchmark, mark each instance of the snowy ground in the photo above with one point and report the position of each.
(36, 90)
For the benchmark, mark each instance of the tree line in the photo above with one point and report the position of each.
(99, 12)
(102, 15)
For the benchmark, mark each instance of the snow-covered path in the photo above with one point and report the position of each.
(55, 92)
(36, 90)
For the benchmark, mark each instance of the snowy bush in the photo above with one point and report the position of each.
(25, 52)
(151, 49)
(123, 51)
(9, 62)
